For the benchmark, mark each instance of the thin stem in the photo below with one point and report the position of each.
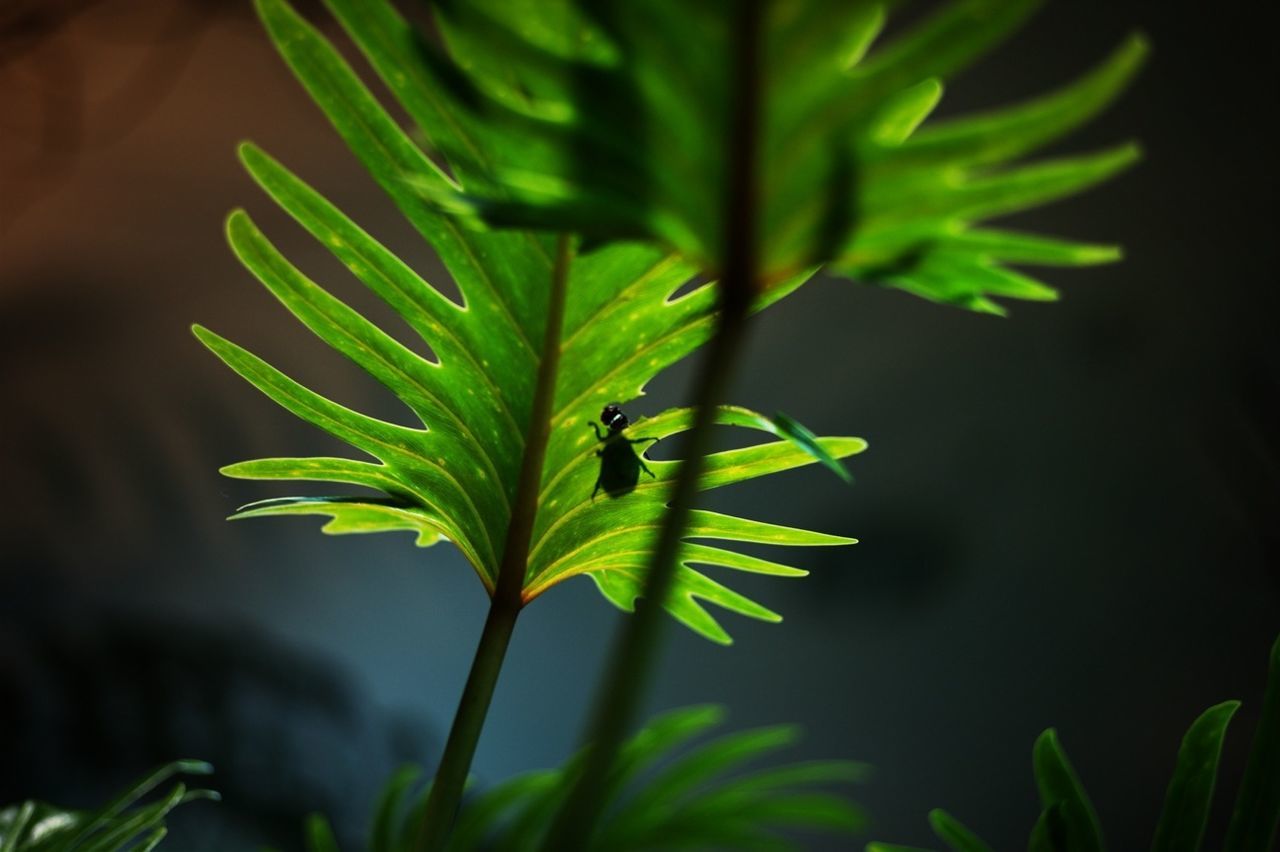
(630, 667)
(451, 777)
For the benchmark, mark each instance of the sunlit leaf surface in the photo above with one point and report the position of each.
(451, 474)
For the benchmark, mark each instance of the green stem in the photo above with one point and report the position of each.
(632, 662)
(460, 748)
(451, 776)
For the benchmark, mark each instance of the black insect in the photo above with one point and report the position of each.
(620, 464)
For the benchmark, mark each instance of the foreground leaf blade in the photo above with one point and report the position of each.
(952, 832)
(1257, 811)
(1190, 795)
(1073, 821)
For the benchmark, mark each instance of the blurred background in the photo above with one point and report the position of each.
(1067, 518)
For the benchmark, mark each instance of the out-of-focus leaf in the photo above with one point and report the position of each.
(391, 810)
(1068, 822)
(319, 835)
(1060, 791)
(1190, 795)
(120, 824)
(953, 833)
(619, 127)
(661, 798)
(1257, 811)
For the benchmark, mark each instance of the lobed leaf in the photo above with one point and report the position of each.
(620, 128)
(452, 473)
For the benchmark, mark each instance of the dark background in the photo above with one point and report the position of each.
(1067, 518)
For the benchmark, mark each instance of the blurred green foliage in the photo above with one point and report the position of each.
(662, 793)
(122, 824)
(1068, 822)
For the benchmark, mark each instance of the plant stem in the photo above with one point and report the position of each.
(632, 662)
(460, 748)
(451, 776)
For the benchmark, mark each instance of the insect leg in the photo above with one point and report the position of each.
(645, 467)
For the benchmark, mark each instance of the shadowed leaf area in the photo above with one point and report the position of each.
(665, 792)
(1068, 823)
(610, 118)
(120, 824)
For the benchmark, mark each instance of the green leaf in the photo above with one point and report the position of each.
(15, 822)
(1000, 135)
(1068, 822)
(951, 832)
(386, 834)
(1186, 805)
(796, 432)
(900, 117)
(450, 472)
(480, 816)
(1257, 810)
(36, 827)
(153, 840)
(319, 835)
(618, 125)
(700, 800)
(650, 805)
(661, 736)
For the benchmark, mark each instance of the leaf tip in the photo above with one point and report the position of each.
(1136, 47)
(1087, 255)
(214, 342)
(233, 471)
(203, 334)
(236, 222)
(1123, 156)
(194, 767)
(247, 150)
(1046, 750)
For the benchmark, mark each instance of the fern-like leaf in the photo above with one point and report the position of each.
(453, 475)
